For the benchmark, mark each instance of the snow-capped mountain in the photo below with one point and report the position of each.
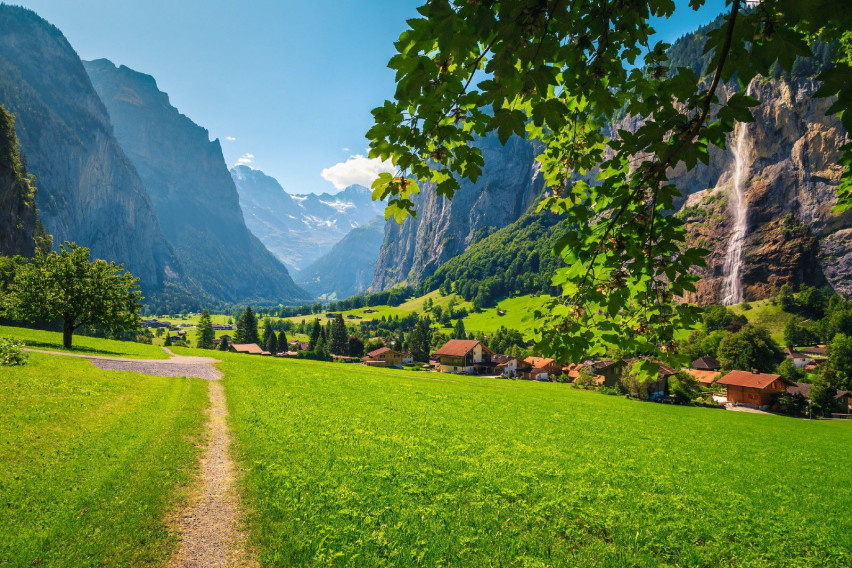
(300, 228)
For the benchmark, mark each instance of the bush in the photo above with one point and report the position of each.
(12, 352)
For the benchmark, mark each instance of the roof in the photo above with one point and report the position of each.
(379, 351)
(252, 348)
(663, 370)
(751, 380)
(817, 350)
(804, 389)
(539, 362)
(501, 359)
(459, 347)
(704, 377)
(706, 363)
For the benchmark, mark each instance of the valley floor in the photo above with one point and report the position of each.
(341, 465)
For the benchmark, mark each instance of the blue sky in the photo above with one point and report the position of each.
(286, 86)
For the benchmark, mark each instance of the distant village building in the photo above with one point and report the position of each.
(706, 363)
(383, 357)
(843, 398)
(756, 390)
(250, 348)
(542, 369)
(464, 356)
(505, 365)
(296, 345)
(704, 377)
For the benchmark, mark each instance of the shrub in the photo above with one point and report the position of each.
(11, 352)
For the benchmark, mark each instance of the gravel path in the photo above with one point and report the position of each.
(209, 526)
(177, 366)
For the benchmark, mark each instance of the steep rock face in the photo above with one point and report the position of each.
(347, 269)
(89, 192)
(18, 213)
(195, 198)
(299, 229)
(444, 228)
(790, 189)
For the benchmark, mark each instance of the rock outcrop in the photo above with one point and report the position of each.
(509, 184)
(793, 235)
(89, 192)
(187, 179)
(18, 212)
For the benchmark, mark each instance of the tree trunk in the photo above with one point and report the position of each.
(67, 332)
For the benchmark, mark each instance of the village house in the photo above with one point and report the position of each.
(464, 356)
(407, 358)
(753, 389)
(343, 359)
(383, 357)
(508, 366)
(706, 363)
(607, 372)
(658, 387)
(542, 369)
(250, 348)
(704, 377)
(296, 345)
(843, 398)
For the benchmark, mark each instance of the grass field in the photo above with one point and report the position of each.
(347, 466)
(52, 341)
(766, 314)
(92, 462)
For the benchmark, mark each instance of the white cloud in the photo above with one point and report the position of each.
(246, 159)
(230, 139)
(347, 150)
(358, 169)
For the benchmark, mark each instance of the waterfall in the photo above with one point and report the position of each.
(732, 269)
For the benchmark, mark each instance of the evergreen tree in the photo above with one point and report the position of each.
(420, 340)
(247, 328)
(267, 333)
(339, 340)
(356, 347)
(316, 334)
(223, 344)
(459, 331)
(168, 341)
(204, 334)
(283, 344)
(322, 348)
(272, 343)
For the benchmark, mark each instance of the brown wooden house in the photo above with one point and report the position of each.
(543, 369)
(464, 356)
(383, 357)
(754, 389)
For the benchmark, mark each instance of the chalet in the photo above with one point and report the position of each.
(343, 359)
(814, 352)
(250, 348)
(704, 377)
(370, 311)
(658, 387)
(608, 372)
(407, 358)
(383, 357)
(542, 369)
(505, 365)
(572, 371)
(843, 398)
(800, 360)
(706, 363)
(753, 389)
(464, 356)
(296, 345)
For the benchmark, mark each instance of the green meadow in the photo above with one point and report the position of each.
(52, 341)
(347, 466)
(93, 462)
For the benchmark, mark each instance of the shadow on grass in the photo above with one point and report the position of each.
(79, 349)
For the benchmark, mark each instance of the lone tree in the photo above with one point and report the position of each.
(66, 285)
(566, 73)
(282, 341)
(205, 335)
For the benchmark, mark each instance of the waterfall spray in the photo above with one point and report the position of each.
(739, 209)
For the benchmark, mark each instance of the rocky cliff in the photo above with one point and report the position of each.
(191, 189)
(792, 236)
(444, 228)
(89, 192)
(18, 213)
(299, 229)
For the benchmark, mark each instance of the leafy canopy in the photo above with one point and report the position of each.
(560, 71)
(67, 286)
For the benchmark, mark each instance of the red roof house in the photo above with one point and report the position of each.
(753, 389)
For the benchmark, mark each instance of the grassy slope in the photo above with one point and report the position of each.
(52, 341)
(768, 315)
(91, 461)
(354, 466)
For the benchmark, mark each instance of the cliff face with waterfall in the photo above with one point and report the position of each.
(788, 178)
